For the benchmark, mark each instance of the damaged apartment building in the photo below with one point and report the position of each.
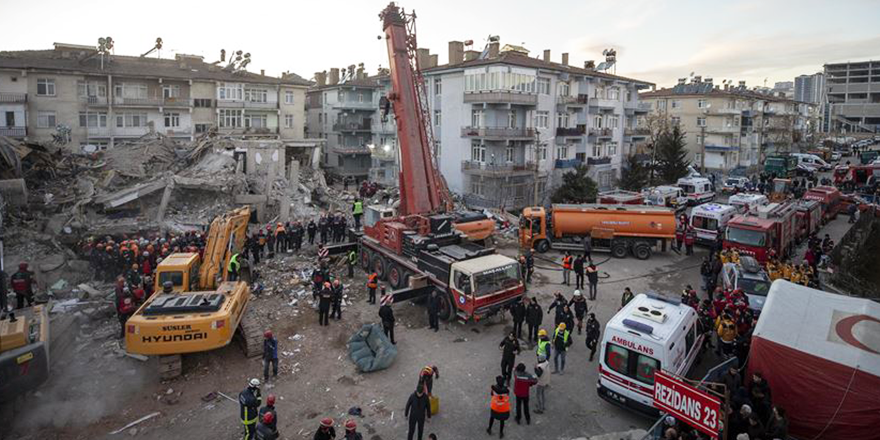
(343, 109)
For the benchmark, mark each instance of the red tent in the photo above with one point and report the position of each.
(820, 353)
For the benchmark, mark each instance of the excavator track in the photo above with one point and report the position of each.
(249, 335)
(170, 366)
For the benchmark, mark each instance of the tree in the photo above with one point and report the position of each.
(658, 123)
(576, 187)
(671, 156)
(634, 174)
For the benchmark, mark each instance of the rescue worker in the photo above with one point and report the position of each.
(270, 355)
(125, 307)
(534, 316)
(352, 262)
(561, 342)
(233, 267)
(372, 284)
(567, 262)
(280, 238)
(326, 430)
(579, 272)
(22, 283)
(357, 210)
(297, 235)
(580, 308)
(542, 375)
(499, 405)
(509, 347)
(426, 378)
(559, 304)
(270, 408)
(386, 314)
(418, 406)
(626, 297)
(311, 229)
(726, 329)
(134, 276)
(351, 431)
(795, 275)
(337, 291)
(593, 279)
(434, 303)
(679, 232)
(323, 227)
(544, 347)
(690, 236)
(324, 300)
(249, 402)
(786, 271)
(522, 384)
(266, 428)
(167, 287)
(518, 312)
(593, 331)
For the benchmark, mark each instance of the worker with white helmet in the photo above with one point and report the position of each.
(249, 401)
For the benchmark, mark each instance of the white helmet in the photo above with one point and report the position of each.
(577, 293)
(254, 382)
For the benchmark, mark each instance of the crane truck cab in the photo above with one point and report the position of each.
(650, 333)
(697, 190)
(709, 220)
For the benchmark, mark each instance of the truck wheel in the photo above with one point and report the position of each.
(618, 249)
(642, 251)
(445, 306)
(543, 246)
(365, 259)
(395, 276)
(378, 266)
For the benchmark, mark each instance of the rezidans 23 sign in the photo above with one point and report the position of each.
(686, 403)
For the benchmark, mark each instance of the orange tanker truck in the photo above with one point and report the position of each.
(620, 229)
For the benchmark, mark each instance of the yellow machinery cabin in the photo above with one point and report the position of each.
(24, 352)
(181, 269)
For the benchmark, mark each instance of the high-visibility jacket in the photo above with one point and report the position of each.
(500, 403)
(358, 208)
(352, 258)
(249, 404)
(544, 348)
(233, 264)
(371, 281)
(566, 262)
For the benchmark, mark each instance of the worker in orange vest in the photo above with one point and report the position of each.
(567, 261)
(372, 284)
(499, 404)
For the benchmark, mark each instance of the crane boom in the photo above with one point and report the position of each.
(422, 189)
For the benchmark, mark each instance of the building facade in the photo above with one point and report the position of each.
(852, 97)
(75, 97)
(507, 126)
(731, 129)
(810, 88)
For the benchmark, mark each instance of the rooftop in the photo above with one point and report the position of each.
(85, 60)
(368, 82)
(708, 89)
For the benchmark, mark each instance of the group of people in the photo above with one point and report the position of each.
(583, 267)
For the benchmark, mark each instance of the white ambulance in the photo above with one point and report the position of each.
(744, 202)
(649, 334)
(710, 219)
(696, 189)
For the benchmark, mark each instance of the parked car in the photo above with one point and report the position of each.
(733, 185)
(749, 276)
(835, 156)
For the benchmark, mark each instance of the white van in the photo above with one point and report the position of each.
(710, 218)
(747, 202)
(649, 334)
(696, 189)
(666, 195)
(812, 162)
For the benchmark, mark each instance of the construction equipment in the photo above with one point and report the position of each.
(205, 311)
(415, 248)
(618, 229)
(24, 351)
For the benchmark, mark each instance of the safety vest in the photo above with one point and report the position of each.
(352, 257)
(564, 335)
(233, 264)
(500, 403)
(371, 281)
(566, 262)
(358, 208)
(542, 347)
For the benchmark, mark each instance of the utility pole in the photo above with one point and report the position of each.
(537, 166)
(703, 148)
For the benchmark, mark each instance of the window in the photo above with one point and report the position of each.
(476, 118)
(562, 120)
(598, 121)
(438, 86)
(614, 94)
(700, 222)
(230, 91)
(130, 91)
(360, 97)
(544, 86)
(320, 118)
(131, 120)
(172, 119)
(675, 120)
(509, 154)
(288, 96)
(676, 103)
(478, 152)
(629, 95)
(542, 119)
(702, 103)
(701, 122)
(481, 81)
(563, 89)
(92, 119)
(617, 358)
(689, 338)
(45, 87)
(562, 151)
(436, 118)
(256, 95)
(631, 364)
(542, 152)
(46, 119)
(582, 157)
(202, 128)
(230, 118)
(597, 150)
(477, 188)
(511, 119)
(90, 89)
(661, 105)
(256, 121)
(100, 146)
(202, 103)
(288, 121)
(613, 121)
(171, 91)
(612, 148)
(645, 368)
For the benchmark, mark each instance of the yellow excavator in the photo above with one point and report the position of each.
(205, 310)
(24, 351)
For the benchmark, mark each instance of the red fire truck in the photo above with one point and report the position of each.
(828, 197)
(772, 227)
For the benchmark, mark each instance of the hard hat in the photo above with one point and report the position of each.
(267, 334)
(577, 293)
(167, 285)
(268, 417)
(562, 326)
(327, 422)
(23, 265)
(542, 358)
(254, 382)
(350, 425)
(542, 332)
(270, 399)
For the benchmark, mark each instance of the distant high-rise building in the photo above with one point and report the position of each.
(808, 88)
(784, 87)
(852, 97)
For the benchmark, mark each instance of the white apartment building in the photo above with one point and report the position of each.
(507, 125)
(78, 97)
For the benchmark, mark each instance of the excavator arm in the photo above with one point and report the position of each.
(226, 236)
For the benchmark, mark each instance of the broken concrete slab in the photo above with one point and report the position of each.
(14, 191)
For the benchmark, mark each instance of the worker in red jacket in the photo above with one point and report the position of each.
(522, 383)
(125, 307)
(679, 231)
(690, 236)
(22, 283)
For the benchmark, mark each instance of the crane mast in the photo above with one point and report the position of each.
(422, 189)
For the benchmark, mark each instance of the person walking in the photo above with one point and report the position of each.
(522, 384)
(626, 297)
(542, 381)
(593, 279)
(326, 431)
(680, 227)
(559, 304)
(386, 313)
(561, 342)
(568, 317)
(544, 349)
(418, 407)
(325, 298)
(357, 210)
(249, 405)
(534, 316)
(509, 349)
(579, 304)
(593, 332)
(337, 291)
(579, 272)
(499, 405)
(372, 284)
(567, 262)
(270, 355)
(518, 312)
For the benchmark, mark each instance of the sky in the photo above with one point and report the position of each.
(656, 40)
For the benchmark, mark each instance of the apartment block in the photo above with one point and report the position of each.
(732, 127)
(343, 108)
(810, 88)
(507, 125)
(77, 96)
(852, 97)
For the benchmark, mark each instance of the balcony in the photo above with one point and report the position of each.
(351, 126)
(720, 148)
(579, 130)
(568, 163)
(246, 104)
(506, 169)
(136, 102)
(598, 161)
(572, 100)
(177, 102)
(637, 132)
(501, 97)
(635, 107)
(723, 129)
(355, 105)
(13, 98)
(94, 101)
(13, 132)
(344, 149)
(498, 133)
(604, 104)
(601, 132)
(726, 111)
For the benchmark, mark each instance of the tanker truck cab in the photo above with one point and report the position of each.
(709, 220)
(483, 286)
(697, 190)
(533, 229)
(649, 334)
